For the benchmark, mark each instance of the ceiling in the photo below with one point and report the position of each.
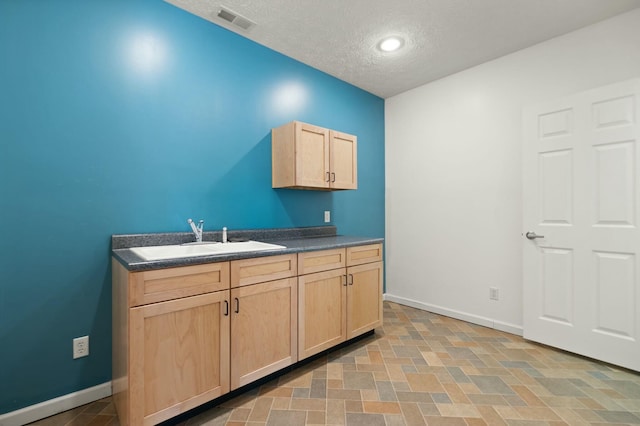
(441, 37)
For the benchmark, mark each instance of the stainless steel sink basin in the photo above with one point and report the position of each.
(203, 249)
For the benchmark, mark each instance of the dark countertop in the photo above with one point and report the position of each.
(299, 243)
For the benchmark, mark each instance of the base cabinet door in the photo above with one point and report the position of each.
(264, 323)
(364, 298)
(179, 356)
(322, 303)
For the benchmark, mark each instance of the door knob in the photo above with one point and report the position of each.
(532, 235)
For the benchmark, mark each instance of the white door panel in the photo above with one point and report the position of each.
(582, 193)
(556, 187)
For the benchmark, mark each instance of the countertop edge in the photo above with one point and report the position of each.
(134, 263)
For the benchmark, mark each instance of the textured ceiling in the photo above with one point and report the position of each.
(442, 37)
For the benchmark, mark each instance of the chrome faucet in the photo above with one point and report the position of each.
(197, 229)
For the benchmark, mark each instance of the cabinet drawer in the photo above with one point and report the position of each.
(173, 283)
(318, 261)
(364, 254)
(261, 269)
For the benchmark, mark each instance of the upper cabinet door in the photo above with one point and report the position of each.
(312, 156)
(305, 156)
(344, 164)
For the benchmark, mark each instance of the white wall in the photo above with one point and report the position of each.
(453, 170)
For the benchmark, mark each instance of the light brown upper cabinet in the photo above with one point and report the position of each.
(305, 156)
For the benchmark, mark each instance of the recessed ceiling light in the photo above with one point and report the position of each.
(391, 44)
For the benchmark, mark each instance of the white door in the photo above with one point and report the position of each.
(581, 185)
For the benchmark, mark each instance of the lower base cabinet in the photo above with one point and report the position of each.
(180, 348)
(185, 336)
(338, 304)
(171, 333)
(322, 307)
(264, 324)
(364, 298)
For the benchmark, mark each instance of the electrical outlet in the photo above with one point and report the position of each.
(494, 293)
(80, 347)
(327, 216)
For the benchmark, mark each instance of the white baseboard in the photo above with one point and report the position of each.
(54, 406)
(474, 319)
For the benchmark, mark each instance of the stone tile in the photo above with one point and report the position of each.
(296, 380)
(441, 398)
(394, 420)
(458, 410)
(458, 375)
(416, 397)
(351, 394)
(301, 393)
(570, 416)
(428, 409)
(386, 392)
(364, 419)
(482, 399)
(240, 415)
(619, 417)
(475, 422)
(412, 414)
(289, 418)
(560, 387)
(336, 414)
(461, 353)
(491, 416)
(381, 407)
(527, 396)
(424, 383)
(628, 389)
(401, 386)
(369, 395)
(309, 404)
(446, 421)
(492, 385)
(316, 418)
(353, 407)
(276, 391)
(334, 384)
(281, 403)
(537, 413)
(432, 359)
(515, 401)
(318, 388)
(456, 394)
(261, 409)
(358, 380)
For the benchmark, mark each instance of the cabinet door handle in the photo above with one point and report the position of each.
(350, 279)
(328, 179)
(237, 305)
(226, 308)
(344, 280)
(333, 176)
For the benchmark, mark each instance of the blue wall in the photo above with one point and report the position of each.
(127, 116)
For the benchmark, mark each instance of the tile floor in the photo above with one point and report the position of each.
(425, 369)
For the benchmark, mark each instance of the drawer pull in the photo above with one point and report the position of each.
(237, 305)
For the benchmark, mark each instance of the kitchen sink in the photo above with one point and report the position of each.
(201, 249)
